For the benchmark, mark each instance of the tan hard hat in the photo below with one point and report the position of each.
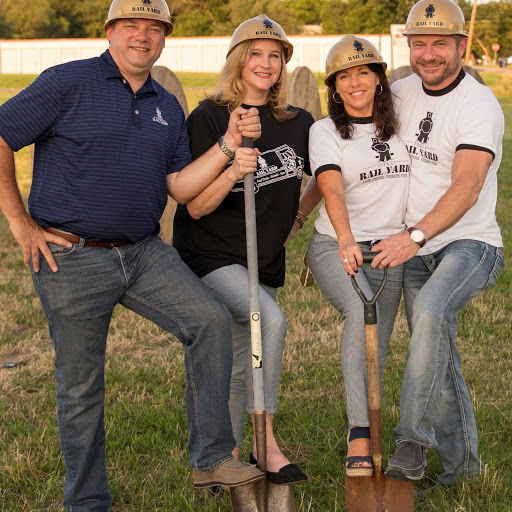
(351, 51)
(438, 17)
(261, 27)
(146, 9)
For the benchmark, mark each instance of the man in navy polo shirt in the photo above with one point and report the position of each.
(110, 144)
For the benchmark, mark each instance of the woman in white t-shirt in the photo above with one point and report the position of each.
(361, 168)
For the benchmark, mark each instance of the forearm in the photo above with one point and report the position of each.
(450, 208)
(11, 203)
(185, 185)
(469, 171)
(310, 197)
(331, 189)
(208, 200)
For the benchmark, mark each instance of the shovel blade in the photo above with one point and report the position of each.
(249, 497)
(262, 496)
(280, 498)
(378, 494)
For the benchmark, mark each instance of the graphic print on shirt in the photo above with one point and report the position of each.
(387, 167)
(274, 165)
(382, 148)
(418, 149)
(426, 126)
(158, 118)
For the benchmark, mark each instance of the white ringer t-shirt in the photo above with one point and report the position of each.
(375, 178)
(434, 125)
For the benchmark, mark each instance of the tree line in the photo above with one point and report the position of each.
(41, 19)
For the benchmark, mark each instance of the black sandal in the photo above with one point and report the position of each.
(354, 465)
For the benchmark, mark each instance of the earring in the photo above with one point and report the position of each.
(381, 89)
(334, 98)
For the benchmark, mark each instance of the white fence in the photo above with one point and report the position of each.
(198, 54)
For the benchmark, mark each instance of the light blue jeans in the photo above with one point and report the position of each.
(336, 285)
(231, 284)
(149, 278)
(435, 406)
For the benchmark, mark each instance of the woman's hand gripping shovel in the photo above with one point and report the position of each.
(259, 496)
(375, 493)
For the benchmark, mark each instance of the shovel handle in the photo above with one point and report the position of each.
(372, 363)
(254, 309)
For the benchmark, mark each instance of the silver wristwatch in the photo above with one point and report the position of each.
(417, 236)
(224, 148)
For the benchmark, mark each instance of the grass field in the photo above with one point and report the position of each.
(145, 413)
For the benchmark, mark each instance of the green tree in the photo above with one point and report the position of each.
(90, 16)
(200, 17)
(307, 12)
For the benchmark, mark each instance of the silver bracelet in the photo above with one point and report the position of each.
(224, 148)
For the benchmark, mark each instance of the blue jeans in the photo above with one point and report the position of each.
(149, 278)
(336, 285)
(435, 406)
(231, 284)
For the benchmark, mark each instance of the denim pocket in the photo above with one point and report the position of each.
(496, 269)
(59, 251)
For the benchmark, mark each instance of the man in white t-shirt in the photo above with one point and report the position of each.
(453, 129)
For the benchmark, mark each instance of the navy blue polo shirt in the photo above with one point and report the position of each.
(102, 153)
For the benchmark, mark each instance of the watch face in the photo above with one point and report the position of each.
(417, 236)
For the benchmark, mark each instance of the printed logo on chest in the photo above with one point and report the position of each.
(418, 149)
(386, 168)
(275, 165)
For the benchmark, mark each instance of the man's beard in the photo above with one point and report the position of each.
(433, 80)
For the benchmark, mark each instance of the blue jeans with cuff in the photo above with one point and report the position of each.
(435, 405)
(149, 278)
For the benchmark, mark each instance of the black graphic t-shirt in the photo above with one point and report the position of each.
(218, 239)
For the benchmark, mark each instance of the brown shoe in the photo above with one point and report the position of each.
(230, 474)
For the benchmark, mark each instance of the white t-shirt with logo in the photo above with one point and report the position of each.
(375, 178)
(434, 125)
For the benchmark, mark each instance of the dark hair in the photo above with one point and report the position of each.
(384, 117)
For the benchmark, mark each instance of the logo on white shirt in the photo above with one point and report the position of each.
(158, 118)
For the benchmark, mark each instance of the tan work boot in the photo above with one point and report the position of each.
(230, 474)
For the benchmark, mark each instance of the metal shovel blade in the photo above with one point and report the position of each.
(263, 496)
(378, 494)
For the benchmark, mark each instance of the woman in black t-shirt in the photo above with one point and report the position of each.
(209, 232)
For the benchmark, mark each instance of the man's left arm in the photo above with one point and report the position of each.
(186, 184)
(469, 170)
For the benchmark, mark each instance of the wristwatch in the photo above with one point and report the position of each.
(417, 236)
(224, 148)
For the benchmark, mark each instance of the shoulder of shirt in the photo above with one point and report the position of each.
(74, 65)
(302, 114)
(326, 123)
(162, 91)
(404, 82)
(473, 88)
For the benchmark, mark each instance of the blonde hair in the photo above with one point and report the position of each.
(230, 87)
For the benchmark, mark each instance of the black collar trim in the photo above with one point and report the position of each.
(360, 120)
(448, 88)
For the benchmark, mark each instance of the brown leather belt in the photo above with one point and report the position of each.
(74, 239)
